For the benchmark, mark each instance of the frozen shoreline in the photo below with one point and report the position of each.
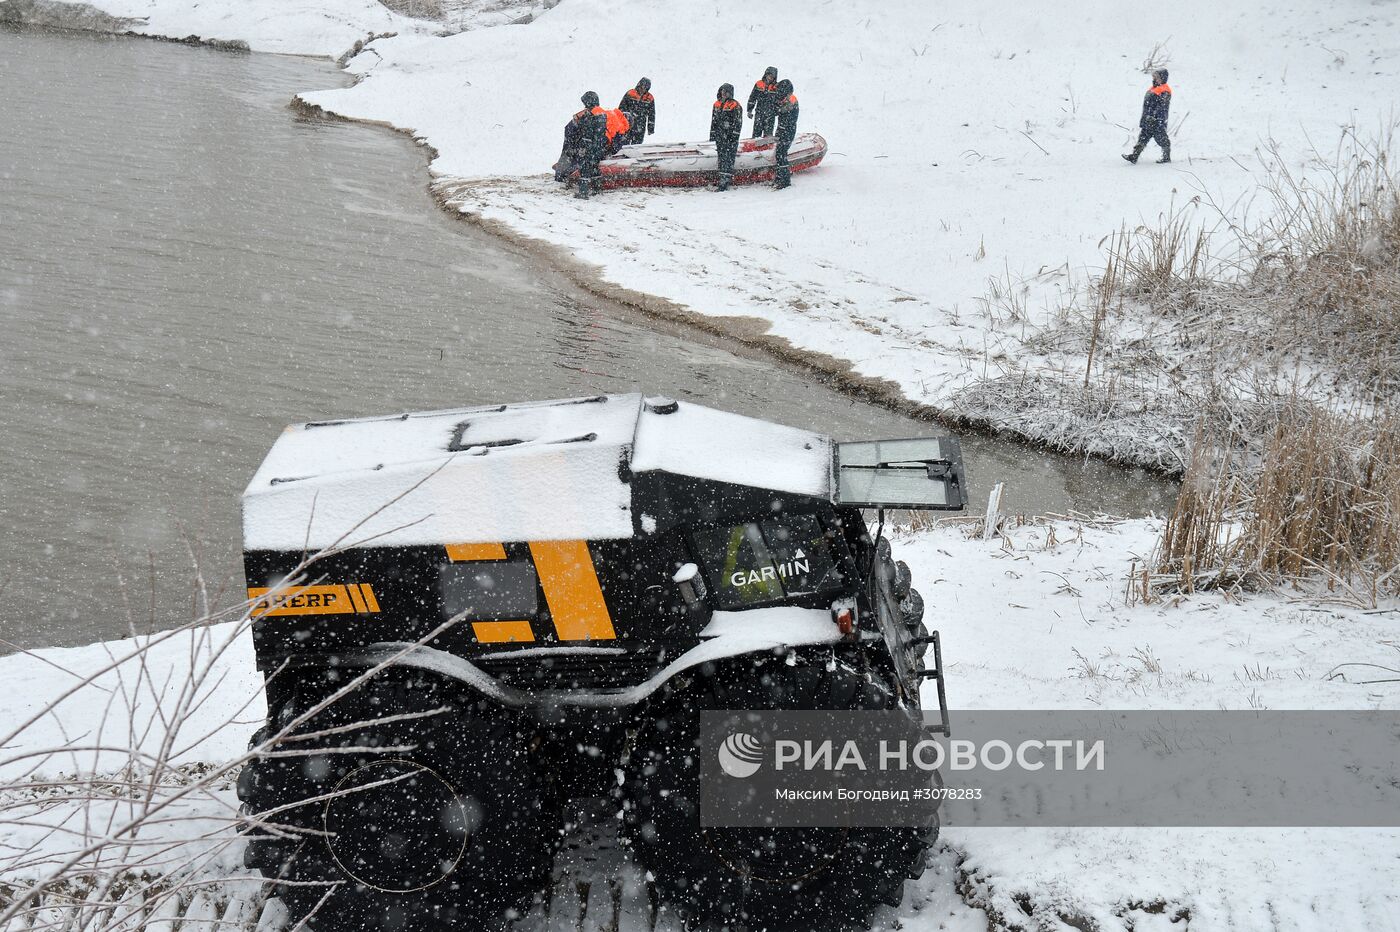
(877, 268)
(1236, 880)
(931, 279)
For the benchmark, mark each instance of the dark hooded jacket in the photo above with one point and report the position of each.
(763, 99)
(1156, 104)
(726, 118)
(640, 107)
(787, 117)
(592, 132)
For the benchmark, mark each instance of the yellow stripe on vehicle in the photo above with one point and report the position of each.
(502, 632)
(356, 598)
(468, 553)
(367, 592)
(571, 588)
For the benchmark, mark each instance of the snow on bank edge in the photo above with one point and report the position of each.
(1036, 620)
(966, 146)
(292, 27)
(1040, 620)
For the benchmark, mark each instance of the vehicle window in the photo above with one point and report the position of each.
(497, 591)
(768, 561)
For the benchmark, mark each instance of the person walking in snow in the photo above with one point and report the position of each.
(786, 133)
(592, 141)
(726, 126)
(763, 102)
(1153, 124)
(640, 107)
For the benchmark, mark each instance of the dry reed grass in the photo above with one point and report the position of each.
(1328, 258)
(1319, 510)
(1220, 322)
(419, 9)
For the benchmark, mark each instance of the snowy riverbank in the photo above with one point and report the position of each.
(1036, 620)
(937, 182)
(967, 146)
(937, 255)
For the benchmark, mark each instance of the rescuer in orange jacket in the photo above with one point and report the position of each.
(616, 131)
(786, 133)
(763, 102)
(726, 126)
(1153, 124)
(640, 107)
(592, 123)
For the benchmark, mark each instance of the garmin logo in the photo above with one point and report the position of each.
(741, 755)
(797, 566)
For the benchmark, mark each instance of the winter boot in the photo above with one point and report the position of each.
(1130, 159)
(1166, 157)
(724, 182)
(582, 192)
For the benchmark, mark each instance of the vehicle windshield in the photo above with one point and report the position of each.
(760, 562)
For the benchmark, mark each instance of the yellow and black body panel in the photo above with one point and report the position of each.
(511, 607)
(482, 600)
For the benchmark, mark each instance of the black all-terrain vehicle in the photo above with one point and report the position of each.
(468, 618)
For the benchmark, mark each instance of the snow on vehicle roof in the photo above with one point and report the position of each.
(724, 447)
(550, 470)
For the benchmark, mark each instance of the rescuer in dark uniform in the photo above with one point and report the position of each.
(726, 126)
(786, 133)
(592, 141)
(1153, 124)
(640, 107)
(763, 102)
(569, 155)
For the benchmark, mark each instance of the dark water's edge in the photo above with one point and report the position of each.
(188, 265)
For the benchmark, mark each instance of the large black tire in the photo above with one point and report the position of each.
(450, 826)
(757, 878)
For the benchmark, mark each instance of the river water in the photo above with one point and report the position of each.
(186, 265)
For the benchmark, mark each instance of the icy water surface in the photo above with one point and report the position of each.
(186, 266)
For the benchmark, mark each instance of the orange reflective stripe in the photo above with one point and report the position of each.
(467, 553)
(1162, 89)
(367, 593)
(355, 597)
(502, 632)
(571, 588)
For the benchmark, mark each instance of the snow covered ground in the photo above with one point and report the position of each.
(973, 172)
(1037, 620)
(968, 144)
(1042, 621)
(298, 27)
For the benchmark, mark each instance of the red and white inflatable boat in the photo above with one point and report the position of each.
(695, 164)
